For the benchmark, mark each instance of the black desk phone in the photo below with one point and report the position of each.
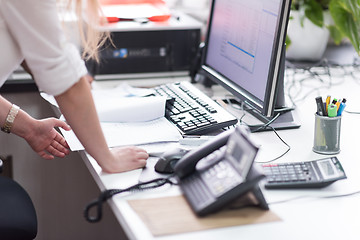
(220, 172)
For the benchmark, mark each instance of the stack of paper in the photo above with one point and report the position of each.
(127, 118)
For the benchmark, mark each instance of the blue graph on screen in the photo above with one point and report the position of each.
(239, 46)
(230, 43)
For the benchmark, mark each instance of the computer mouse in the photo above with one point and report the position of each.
(168, 159)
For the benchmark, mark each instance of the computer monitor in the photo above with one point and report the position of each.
(245, 53)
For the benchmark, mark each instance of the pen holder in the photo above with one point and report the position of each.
(327, 134)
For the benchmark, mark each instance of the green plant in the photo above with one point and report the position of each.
(345, 14)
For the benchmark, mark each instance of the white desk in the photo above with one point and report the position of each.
(311, 217)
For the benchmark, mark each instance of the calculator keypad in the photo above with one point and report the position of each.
(289, 172)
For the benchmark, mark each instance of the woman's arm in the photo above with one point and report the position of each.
(57, 67)
(40, 134)
(78, 107)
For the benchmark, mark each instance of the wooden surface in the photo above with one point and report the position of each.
(173, 215)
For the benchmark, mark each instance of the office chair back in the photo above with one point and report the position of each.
(17, 213)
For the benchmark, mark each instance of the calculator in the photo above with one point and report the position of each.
(313, 174)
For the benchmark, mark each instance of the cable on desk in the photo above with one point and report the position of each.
(325, 72)
(107, 194)
(276, 133)
(286, 151)
(230, 101)
(312, 197)
(263, 126)
(351, 112)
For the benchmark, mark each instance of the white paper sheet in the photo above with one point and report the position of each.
(123, 134)
(124, 104)
(133, 109)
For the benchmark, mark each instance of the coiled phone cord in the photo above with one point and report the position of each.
(105, 195)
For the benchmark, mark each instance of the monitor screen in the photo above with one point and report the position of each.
(244, 50)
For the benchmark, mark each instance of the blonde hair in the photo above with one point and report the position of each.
(89, 17)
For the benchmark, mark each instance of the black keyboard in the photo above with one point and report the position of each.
(192, 111)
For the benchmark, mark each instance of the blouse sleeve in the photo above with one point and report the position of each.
(34, 24)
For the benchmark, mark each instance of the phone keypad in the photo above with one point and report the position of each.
(221, 177)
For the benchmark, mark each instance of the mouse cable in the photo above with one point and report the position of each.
(106, 194)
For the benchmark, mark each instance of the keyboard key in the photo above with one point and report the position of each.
(191, 105)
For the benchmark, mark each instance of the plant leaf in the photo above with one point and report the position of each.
(345, 21)
(352, 6)
(287, 41)
(314, 12)
(335, 34)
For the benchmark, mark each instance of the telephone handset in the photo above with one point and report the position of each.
(187, 164)
(220, 171)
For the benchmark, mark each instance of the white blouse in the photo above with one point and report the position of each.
(31, 30)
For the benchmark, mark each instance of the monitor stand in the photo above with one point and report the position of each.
(257, 122)
(288, 118)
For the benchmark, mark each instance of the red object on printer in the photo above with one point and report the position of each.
(111, 2)
(160, 5)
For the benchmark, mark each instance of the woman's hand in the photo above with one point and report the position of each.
(78, 107)
(125, 159)
(45, 140)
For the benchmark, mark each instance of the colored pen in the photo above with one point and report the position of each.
(325, 109)
(338, 104)
(342, 107)
(320, 106)
(332, 110)
(327, 102)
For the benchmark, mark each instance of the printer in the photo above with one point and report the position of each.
(149, 48)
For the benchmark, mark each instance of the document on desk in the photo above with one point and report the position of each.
(130, 109)
(124, 104)
(127, 118)
(131, 133)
